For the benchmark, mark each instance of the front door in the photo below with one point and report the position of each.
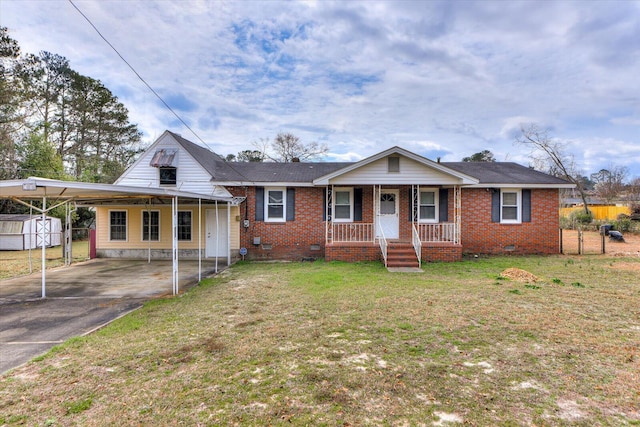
(217, 242)
(388, 218)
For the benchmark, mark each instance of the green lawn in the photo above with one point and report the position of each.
(341, 344)
(20, 263)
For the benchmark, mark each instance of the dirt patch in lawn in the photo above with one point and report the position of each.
(519, 275)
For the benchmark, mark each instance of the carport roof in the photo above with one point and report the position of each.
(91, 194)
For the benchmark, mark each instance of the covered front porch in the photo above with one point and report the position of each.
(401, 225)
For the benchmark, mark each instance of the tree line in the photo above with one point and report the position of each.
(58, 123)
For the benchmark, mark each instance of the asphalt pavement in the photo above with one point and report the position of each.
(80, 299)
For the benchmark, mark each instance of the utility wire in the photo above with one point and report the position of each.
(138, 75)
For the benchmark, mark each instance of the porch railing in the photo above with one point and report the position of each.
(441, 232)
(352, 232)
(417, 244)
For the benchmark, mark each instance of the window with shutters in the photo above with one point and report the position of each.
(510, 206)
(343, 204)
(428, 205)
(275, 205)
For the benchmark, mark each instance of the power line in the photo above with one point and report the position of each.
(138, 75)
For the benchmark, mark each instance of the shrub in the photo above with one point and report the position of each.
(623, 223)
(582, 217)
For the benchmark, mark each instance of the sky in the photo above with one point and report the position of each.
(443, 79)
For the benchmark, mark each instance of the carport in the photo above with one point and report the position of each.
(54, 193)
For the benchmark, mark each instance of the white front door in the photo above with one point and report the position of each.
(388, 218)
(217, 244)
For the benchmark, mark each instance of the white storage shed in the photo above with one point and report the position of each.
(19, 232)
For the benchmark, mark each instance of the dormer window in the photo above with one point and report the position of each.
(393, 164)
(168, 175)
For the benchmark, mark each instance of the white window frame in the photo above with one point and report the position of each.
(190, 226)
(142, 231)
(518, 206)
(267, 190)
(334, 198)
(436, 194)
(126, 225)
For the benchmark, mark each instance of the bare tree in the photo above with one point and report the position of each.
(286, 148)
(548, 155)
(610, 182)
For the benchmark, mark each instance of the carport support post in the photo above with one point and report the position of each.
(199, 240)
(44, 249)
(174, 233)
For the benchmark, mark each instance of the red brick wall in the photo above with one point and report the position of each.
(480, 235)
(293, 240)
(353, 252)
(446, 252)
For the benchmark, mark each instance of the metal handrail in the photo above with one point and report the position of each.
(417, 244)
(382, 241)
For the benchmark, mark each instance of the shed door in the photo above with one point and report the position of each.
(388, 218)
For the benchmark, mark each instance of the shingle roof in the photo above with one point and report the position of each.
(504, 173)
(305, 172)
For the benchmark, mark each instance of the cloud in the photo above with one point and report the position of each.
(445, 79)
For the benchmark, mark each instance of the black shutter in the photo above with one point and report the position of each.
(526, 205)
(259, 203)
(411, 207)
(495, 205)
(357, 204)
(291, 204)
(444, 205)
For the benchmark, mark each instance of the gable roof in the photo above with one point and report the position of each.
(462, 177)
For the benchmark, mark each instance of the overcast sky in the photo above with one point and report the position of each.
(443, 79)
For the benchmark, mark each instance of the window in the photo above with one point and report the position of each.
(393, 164)
(275, 206)
(184, 225)
(510, 206)
(343, 205)
(428, 203)
(150, 226)
(117, 225)
(168, 175)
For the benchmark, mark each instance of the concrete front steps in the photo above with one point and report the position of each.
(401, 255)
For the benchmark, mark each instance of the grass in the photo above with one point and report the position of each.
(16, 263)
(351, 344)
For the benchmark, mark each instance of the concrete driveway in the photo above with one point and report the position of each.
(80, 299)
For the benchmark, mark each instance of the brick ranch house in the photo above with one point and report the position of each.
(395, 206)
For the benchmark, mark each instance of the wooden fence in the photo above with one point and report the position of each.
(599, 212)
